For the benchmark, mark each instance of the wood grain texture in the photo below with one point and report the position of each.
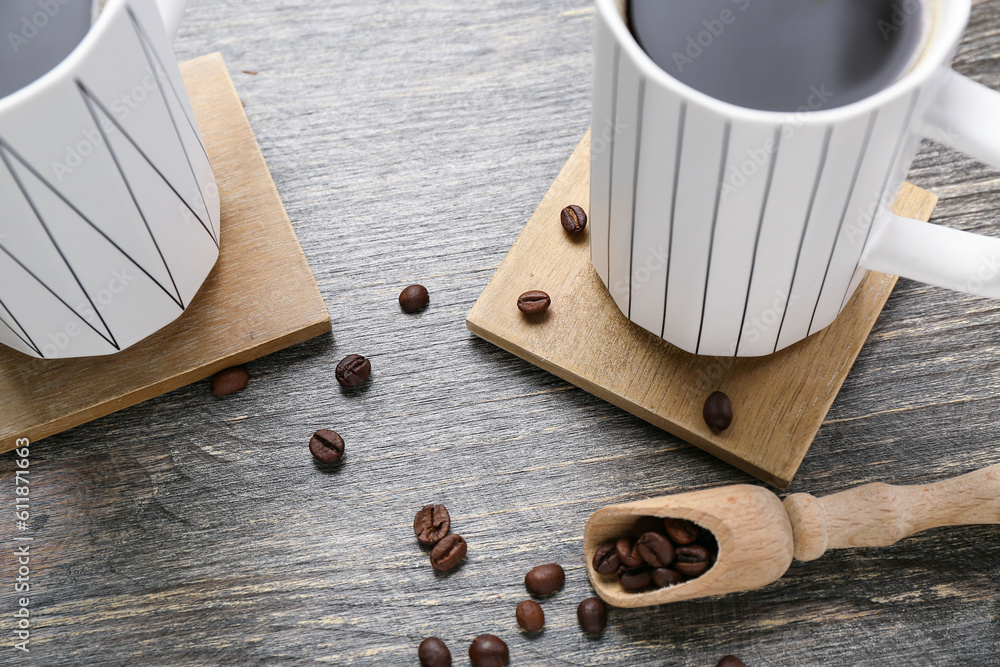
(259, 298)
(779, 401)
(410, 141)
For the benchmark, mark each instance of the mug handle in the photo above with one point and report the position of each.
(172, 11)
(965, 117)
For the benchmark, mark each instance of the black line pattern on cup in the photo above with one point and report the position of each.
(58, 298)
(805, 228)
(843, 216)
(885, 183)
(30, 343)
(611, 156)
(148, 50)
(145, 157)
(715, 219)
(34, 172)
(87, 97)
(760, 226)
(635, 187)
(682, 119)
(4, 149)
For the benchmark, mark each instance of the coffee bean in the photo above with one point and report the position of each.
(353, 370)
(691, 559)
(655, 549)
(433, 653)
(637, 578)
(448, 553)
(730, 661)
(326, 446)
(489, 651)
(665, 576)
(647, 524)
(545, 579)
(530, 616)
(414, 298)
(627, 553)
(592, 615)
(681, 531)
(573, 219)
(431, 524)
(718, 412)
(606, 560)
(229, 381)
(533, 302)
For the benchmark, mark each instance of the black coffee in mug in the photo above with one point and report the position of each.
(36, 35)
(781, 55)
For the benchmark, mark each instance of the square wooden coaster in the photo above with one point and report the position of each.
(260, 297)
(780, 400)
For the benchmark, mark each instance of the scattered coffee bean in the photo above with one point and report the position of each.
(655, 549)
(636, 579)
(433, 653)
(533, 303)
(666, 576)
(627, 553)
(431, 524)
(718, 411)
(530, 616)
(489, 651)
(573, 219)
(681, 531)
(326, 446)
(545, 579)
(691, 559)
(606, 560)
(353, 370)
(229, 381)
(592, 615)
(730, 661)
(414, 298)
(448, 553)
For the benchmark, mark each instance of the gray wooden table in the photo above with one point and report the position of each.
(411, 141)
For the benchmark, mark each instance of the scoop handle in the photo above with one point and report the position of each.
(877, 514)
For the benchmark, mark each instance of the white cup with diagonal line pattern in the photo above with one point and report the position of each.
(736, 231)
(109, 211)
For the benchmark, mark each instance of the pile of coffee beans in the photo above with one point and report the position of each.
(660, 552)
(432, 526)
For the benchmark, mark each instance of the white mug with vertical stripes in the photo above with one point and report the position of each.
(736, 231)
(109, 211)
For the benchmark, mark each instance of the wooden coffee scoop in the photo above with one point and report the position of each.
(758, 534)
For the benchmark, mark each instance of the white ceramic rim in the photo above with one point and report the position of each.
(68, 64)
(950, 20)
